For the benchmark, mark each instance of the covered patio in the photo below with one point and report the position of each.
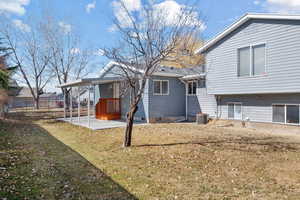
(95, 124)
(98, 113)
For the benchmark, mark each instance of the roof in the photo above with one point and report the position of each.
(160, 71)
(88, 81)
(47, 95)
(25, 92)
(242, 21)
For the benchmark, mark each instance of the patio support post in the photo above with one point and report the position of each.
(89, 103)
(78, 106)
(65, 115)
(94, 102)
(71, 105)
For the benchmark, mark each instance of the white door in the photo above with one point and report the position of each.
(238, 111)
(235, 111)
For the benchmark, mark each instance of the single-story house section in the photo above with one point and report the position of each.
(253, 69)
(171, 94)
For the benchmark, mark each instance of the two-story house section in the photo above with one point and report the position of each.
(253, 69)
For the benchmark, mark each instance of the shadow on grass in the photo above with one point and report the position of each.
(267, 144)
(35, 165)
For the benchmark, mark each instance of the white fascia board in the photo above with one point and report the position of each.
(190, 77)
(240, 22)
(111, 64)
(166, 74)
(80, 82)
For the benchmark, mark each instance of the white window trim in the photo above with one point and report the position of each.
(285, 112)
(161, 94)
(187, 91)
(251, 66)
(235, 103)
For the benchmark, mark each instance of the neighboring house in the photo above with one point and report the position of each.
(21, 98)
(253, 69)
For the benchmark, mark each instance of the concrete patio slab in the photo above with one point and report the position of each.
(96, 124)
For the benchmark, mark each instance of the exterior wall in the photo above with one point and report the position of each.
(256, 107)
(202, 102)
(167, 106)
(143, 106)
(106, 90)
(282, 59)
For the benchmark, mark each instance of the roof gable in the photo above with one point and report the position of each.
(241, 22)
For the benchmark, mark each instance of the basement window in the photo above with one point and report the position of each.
(286, 113)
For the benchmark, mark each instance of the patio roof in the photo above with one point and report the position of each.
(89, 81)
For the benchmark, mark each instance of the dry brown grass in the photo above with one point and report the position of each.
(186, 161)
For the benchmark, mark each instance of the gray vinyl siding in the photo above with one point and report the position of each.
(282, 59)
(202, 102)
(256, 107)
(97, 93)
(143, 106)
(106, 90)
(172, 105)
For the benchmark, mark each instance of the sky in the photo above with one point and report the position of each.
(92, 19)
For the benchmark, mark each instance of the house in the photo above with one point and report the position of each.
(252, 73)
(253, 69)
(21, 98)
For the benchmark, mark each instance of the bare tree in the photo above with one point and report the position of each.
(31, 55)
(69, 60)
(147, 39)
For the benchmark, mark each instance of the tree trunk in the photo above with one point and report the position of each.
(129, 125)
(67, 99)
(37, 103)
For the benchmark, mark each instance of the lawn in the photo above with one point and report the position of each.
(166, 161)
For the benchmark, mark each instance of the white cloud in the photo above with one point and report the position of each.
(75, 51)
(170, 10)
(66, 28)
(13, 6)
(90, 6)
(173, 11)
(20, 25)
(130, 5)
(256, 2)
(121, 13)
(283, 6)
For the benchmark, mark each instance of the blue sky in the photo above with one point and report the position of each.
(93, 18)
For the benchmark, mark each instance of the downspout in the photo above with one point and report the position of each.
(186, 102)
(186, 99)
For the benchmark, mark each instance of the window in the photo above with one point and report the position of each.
(192, 88)
(244, 61)
(286, 114)
(235, 111)
(252, 60)
(292, 114)
(279, 113)
(259, 59)
(161, 87)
